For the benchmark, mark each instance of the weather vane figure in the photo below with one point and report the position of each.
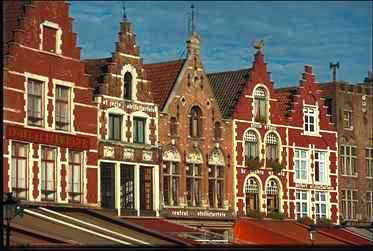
(258, 45)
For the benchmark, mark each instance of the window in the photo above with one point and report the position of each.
(75, 176)
(127, 86)
(251, 145)
(320, 202)
(49, 39)
(173, 126)
(48, 165)
(171, 183)
(370, 205)
(34, 102)
(348, 160)
(369, 161)
(273, 203)
(349, 204)
(115, 127)
(320, 167)
(252, 195)
(194, 184)
(260, 104)
(195, 122)
(300, 165)
(139, 130)
(309, 119)
(329, 103)
(19, 170)
(217, 131)
(347, 119)
(216, 186)
(301, 202)
(62, 108)
(127, 187)
(272, 150)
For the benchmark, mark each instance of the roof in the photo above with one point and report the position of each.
(96, 68)
(163, 76)
(227, 87)
(284, 97)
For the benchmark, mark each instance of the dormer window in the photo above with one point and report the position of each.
(195, 122)
(260, 105)
(49, 39)
(127, 86)
(310, 119)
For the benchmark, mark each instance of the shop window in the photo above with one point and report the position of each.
(272, 147)
(370, 205)
(320, 167)
(194, 185)
(127, 187)
(251, 145)
(34, 103)
(348, 160)
(195, 122)
(115, 127)
(173, 126)
(48, 173)
(217, 131)
(75, 176)
(301, 201)
(139, 130)
(62, 108)
(146, 188)
(260, 104)
(310, 119)
(300, 160)
(216, 186)
(369, 161)
(127, 86)
(171, 183)
(273, 198)
(347, 119)
(19, 170)
(49, 39)
(252, 195)
(320, 203)
(349, 204)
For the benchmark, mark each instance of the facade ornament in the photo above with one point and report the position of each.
(147, 155)
(194, 157)
(216, 158)
(171, 155)
(108, 152)
(128, 154)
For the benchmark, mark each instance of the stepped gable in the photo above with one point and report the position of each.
(163, 76)
(227, 87)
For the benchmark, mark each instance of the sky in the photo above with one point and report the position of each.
(295, 33)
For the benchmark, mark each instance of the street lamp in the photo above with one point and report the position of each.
(312, 233)
(10, 208)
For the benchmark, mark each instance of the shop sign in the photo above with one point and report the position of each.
(197, 213)
(313, 186)
(126, 106)
(47, 138)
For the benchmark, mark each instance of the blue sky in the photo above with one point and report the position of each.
(294, 33)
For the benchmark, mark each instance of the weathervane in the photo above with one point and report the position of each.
(192, 21)
(258, 45)
(124, 10)
(334, 67)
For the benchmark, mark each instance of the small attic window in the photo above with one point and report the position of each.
(127, 86)
(49, 39)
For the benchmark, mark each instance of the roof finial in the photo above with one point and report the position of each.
(258, 45)
(124, 10)
(334, 68)
(193, 27)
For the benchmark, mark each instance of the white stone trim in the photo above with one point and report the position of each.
(58, 35)
(141, 114)
(129, 55)
(260, 192)
(117, 111)
(84, 105)
(71, 86)
(50, 53)
(280, 192)
(280, 146)
(16, 73)
(13, 89)
(268, 106)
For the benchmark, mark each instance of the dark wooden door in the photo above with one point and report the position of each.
(107, 185)
(146, 188)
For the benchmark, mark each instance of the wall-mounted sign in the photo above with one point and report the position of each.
(313, 186)
(126, 105)
(128, 154)
(47, 138)
(191, 213)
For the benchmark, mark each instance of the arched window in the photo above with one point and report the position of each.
(195, 122)
(251, 145)
(273, 203)
(173, 126)
(217, 131)
(252, 195)
(272, 146)
(127, 86)
(260, 104)
(171, 181)
(216, 186)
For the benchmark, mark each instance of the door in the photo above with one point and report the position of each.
(146, 188)
(108, 185)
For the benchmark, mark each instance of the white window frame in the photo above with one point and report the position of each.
(348, 159)
(369, 161)
(69, 107)
(307, 114)
(346, 202)
(319, 203)
(322, 163)
(55, 26)
(369, 205)
(348, 120)
(299, 169)
(302, 202)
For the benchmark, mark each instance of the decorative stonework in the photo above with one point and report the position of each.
(216, 158)
(171, 155)
(147, 155)
(195, 157)
(128, 154)
(108, 152)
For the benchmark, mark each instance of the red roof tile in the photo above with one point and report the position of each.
(163, 76)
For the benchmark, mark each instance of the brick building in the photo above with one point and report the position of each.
(283, 144)
(49, 154)
(351, 110)
(127, 129)
(196, 170)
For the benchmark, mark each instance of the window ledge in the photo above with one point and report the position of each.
(349, 176)
(314, 134)
(348, 128)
